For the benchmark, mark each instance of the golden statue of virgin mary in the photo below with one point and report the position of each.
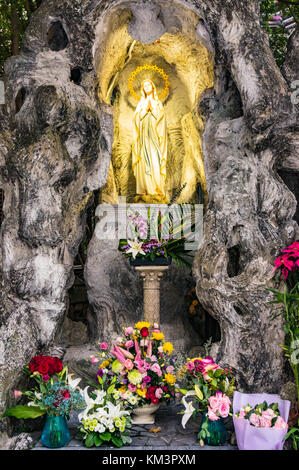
(149, 150)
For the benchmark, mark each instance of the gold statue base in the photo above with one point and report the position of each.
(151, 199)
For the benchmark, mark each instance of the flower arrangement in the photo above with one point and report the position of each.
(211, 386)
(287, 301)
(288, 262)
(262, 415)
(156, 237)
(104, 419)
(137, 366)
(258, 425)
(56, 393)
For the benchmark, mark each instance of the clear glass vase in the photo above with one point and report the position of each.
(216, 429)
(55, 432)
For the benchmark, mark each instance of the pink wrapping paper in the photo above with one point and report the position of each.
(253, 438)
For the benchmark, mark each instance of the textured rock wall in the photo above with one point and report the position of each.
(55, 144)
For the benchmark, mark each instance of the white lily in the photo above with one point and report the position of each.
(189, 408)
(115, 411)
(73, 383)
(135, 248)
(89, 404)
(38, 395)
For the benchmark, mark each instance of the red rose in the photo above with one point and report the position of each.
(43, 367)
(57, 364)
(144, 332)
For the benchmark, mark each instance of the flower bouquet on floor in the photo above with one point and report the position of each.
(210, 388)
(259, 425)
(138, 367)
(104, 420)
(55, 395)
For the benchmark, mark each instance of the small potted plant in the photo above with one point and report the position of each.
(55, 395)
(137, 365)
(212, 388)
(105, 419)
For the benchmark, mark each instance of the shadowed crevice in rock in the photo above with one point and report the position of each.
(57, 37)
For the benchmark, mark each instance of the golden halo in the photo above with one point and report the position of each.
(148, 67)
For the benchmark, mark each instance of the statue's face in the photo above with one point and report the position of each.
(148, 88)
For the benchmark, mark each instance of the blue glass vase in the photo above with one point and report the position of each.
(216, 429)
(55, 432)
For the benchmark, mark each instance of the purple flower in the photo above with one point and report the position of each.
(100, 373)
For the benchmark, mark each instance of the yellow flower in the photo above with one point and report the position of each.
(122, 389)
(168, 347)
(140, 392)
(195, 302)
(169, 378)
(158, 336)
(196, 358)
(142, 324)
(104, 364)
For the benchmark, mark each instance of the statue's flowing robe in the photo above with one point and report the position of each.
(149, 150)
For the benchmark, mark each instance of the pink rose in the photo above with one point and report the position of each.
(159, 393)
(94, 359)
(132, 388)
(129, 364)
(156, 368)
(129, 331)
(215, 402)
(224, 409)
(104, 345)
(190, 365)
(212, 415)
(280, 423)
(129, 344)
(170, 370)
(254, 419)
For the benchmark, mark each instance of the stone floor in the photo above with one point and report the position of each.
(171, 437)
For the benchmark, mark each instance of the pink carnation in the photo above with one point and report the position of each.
(104, 345)
(254, 419)
(280, 423)
(159, 393)
(156, 368)
(129, 344)
(132, 388)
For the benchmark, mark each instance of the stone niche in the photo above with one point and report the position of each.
(173, 38)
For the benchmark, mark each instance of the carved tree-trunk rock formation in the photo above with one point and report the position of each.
(55, 147)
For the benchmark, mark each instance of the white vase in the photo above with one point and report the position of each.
(144, 414)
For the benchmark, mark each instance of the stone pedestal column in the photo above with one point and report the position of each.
(151, 276)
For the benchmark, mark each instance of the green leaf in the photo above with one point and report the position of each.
(24, 412)
(117, 441)
(98, 441)
(105, 436)
(110, 389)
(218, 372)
(90, 440)
(126, 439)
(183, 391)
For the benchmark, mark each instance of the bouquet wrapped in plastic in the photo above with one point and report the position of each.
(260, 421)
